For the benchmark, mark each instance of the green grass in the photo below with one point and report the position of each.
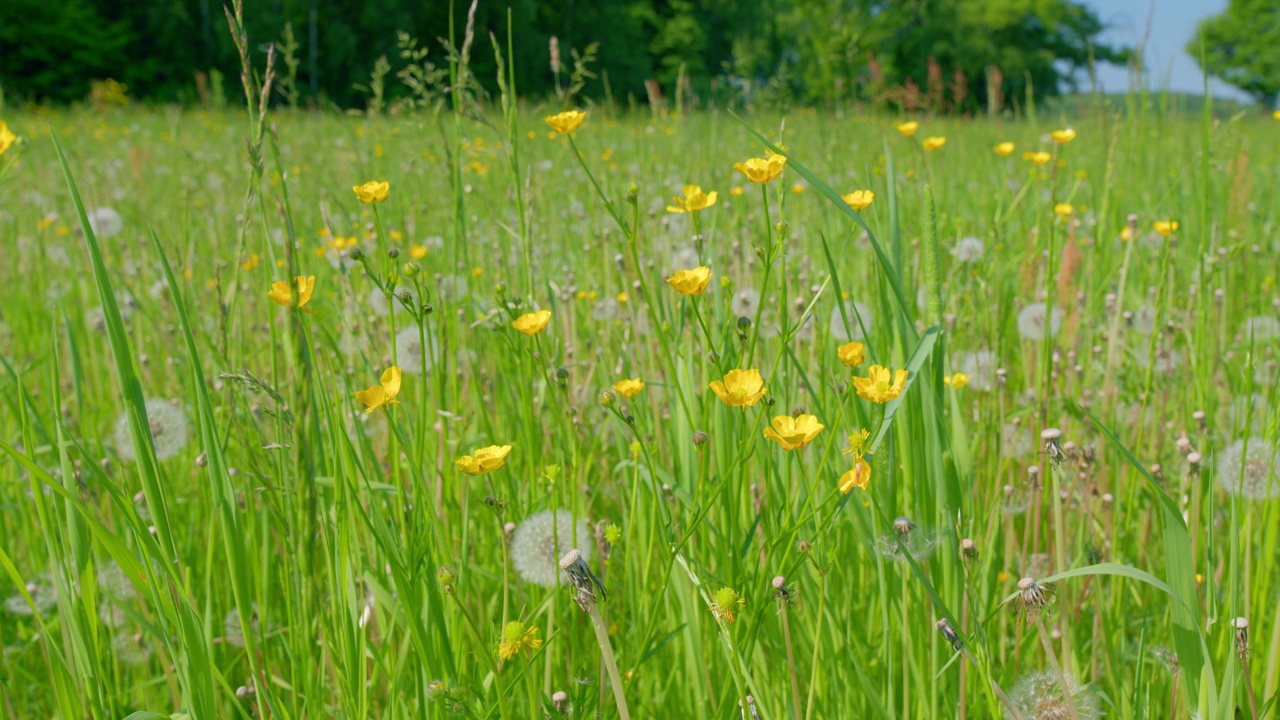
(329, 527)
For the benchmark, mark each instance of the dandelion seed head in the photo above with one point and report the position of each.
(542, 539)
(1031, 321)
(44, 594)
(1250, 471)
(1040, 696)
(969, 250)
(409, 351)
(106, 222)
(113, 583)
(917, 542)
(980, 366)
(131, 649)
(233, 629)
(169, 430)
(1261, 328)
(746, 301)
(854, 310)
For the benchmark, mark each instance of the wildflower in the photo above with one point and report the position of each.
(517, 639)
(762, 170)
(565, 122)
(1165, 227)
(859, 199)
(584, 582)
(372, 192)
(251, 262)
(726, 603)
(1031, 321)
(282, 294)
(622, 297)
(44, 595)
(532, 323)
(1261, 328)
(860, 318)
(1005, 149)
(852, 354)
(694, 199)
(856, 477)
(417, 252)
(1249, 472)
(105, 222)
(1037, 158)
(483, 460)
(740, 388)
(690, 282)
(628, 388)
(793, 433)
(908, 128)
(1064, 136)
(1126, 234)
(1063, 209)
(383, 394)
(542, 539)
(969, 250)
(736, 191)
(1040, 696)
(880, 385)
(168, 428)
(933, 143)
(7, 138)
(955, 380)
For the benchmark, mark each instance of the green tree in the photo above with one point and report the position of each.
(1241, 46)
(51, 51)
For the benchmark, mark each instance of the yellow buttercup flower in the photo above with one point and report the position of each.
(956, 380)
(532, 323)
(566, 122)
(516, 639)
(1064, 136)
(484, 460)
(880, 385)
(740, 388)
(372, 192)
(908, 128)
(857, 477)
(736, 191)
(762, 170)
(690, 282)
(7, 138)
(694, 199)
(1276, 114)
(1063, 209)
(283, 294)
(1039, 157)
(628, 388)
(933, 143)
(859, 199)
(793, 433)
(417, 252)
(851, 354)
(384, 393)
(1005, 149)
(1126, 234)
(1165, 227)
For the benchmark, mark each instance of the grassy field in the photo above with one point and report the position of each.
(203, 517)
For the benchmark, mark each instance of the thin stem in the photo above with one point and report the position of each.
(791, 664)
(1067, 697)
(606, 657)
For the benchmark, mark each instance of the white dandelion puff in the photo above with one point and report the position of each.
(1015, 441)
(113, 583)
(542, 539)
(980, 366)
(131, 649)
(1031, 321)
(168, 430)
(409, 351)
(1261, 328)
(969, 250)
(746, 302)
(1250, 472)
(233, 629)
(1040, 696)
(854, 310)
(43, 594)
(105, 222)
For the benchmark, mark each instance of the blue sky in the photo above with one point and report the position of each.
(1173, 25)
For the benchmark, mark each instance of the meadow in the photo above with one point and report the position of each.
(278, 443)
